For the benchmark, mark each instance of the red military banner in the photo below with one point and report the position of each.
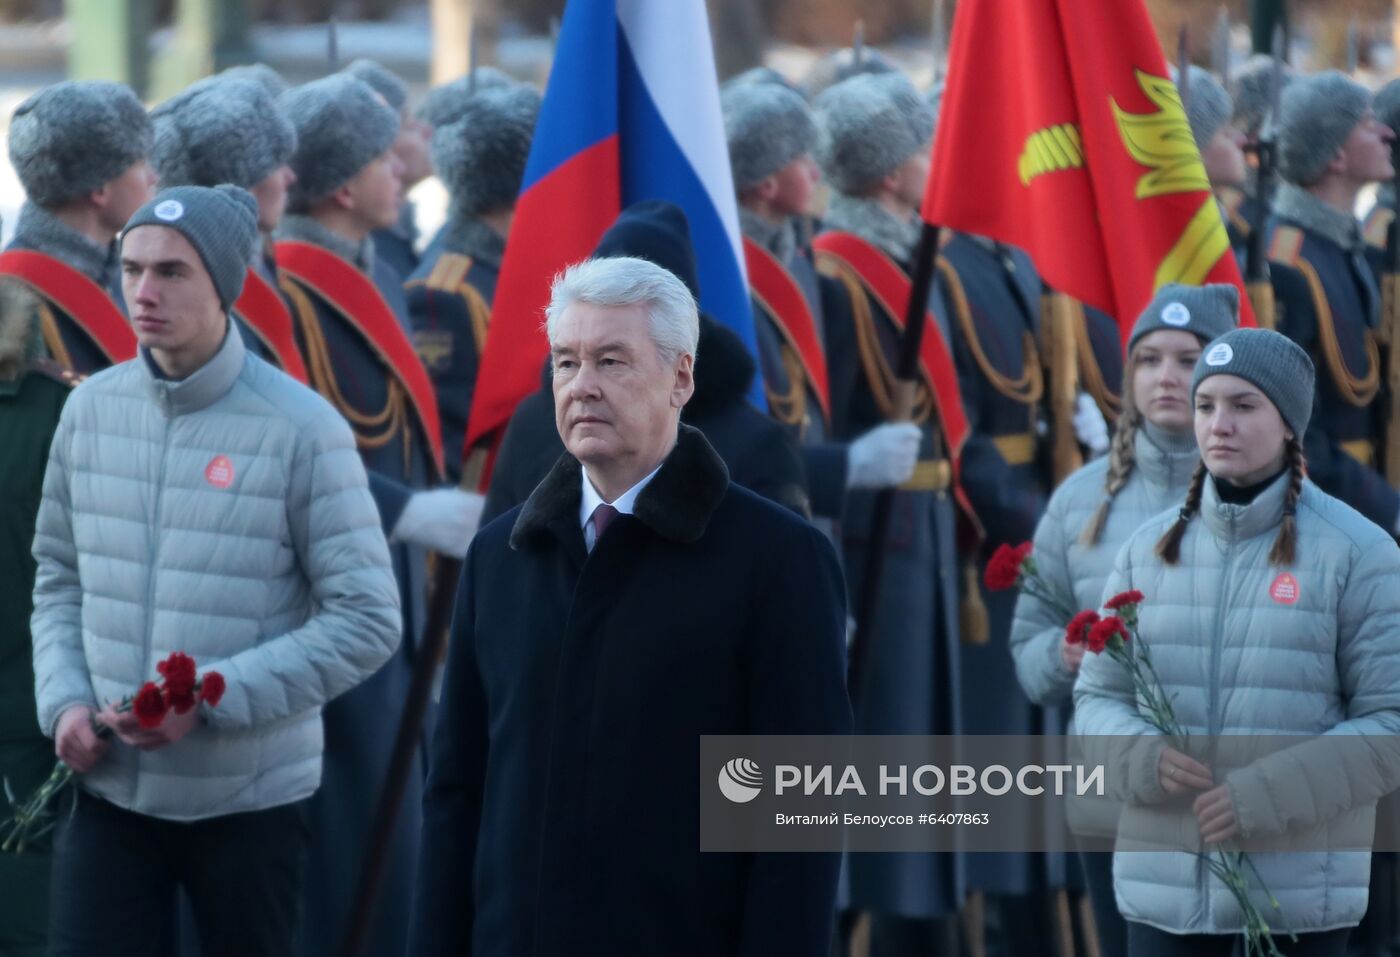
(1060, 132)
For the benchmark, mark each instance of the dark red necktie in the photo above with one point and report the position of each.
(602, 518)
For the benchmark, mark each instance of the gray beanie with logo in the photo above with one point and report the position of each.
(1318, 113)
(1204, 311)
(444, 104)
(1274, 363)
(221, 223)
(383, 81)
(767, 126)
(72, 138)
(868, 126)
(341, 126)
(481, 157)
(221, 130)
(1208, 106)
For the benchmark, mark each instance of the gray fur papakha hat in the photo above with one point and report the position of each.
(341, 126)
(1208, 106)
(1318, 114)
(383, 81)
(761, 74)
(481, 157)
(1250, 89)
(221, 130)
(74, 137)
(1204, 311)
(869, 125)
(1274, 363)
(767, 126)
(221, 223)
(840, 65)
(259, 73)
(1387, 104)
(444, 104)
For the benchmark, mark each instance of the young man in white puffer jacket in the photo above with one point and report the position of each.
(198, 500)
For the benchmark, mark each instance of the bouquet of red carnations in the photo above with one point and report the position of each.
(180, 689)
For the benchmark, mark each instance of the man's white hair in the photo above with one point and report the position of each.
(626, 281)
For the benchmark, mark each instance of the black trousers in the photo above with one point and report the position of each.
(1145, 941)
(115, 875)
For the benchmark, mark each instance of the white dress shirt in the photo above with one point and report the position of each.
(624, 503)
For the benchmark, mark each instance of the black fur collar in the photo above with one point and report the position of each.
(676, 505)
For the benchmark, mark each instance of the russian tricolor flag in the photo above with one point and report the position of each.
(631, 112)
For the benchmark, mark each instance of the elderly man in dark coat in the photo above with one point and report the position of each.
(561, 815)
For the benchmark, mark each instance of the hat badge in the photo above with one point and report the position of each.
(1220, 354)
(1176, 314)
(169, 210)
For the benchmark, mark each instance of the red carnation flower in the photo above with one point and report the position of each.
(1004, 567)
(211, 688)
(1079, 625)
(180, 676)
(149, 706)
(1133, 597)
(1102, 634)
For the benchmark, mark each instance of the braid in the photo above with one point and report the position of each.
(1169, 547)
(1285, 544)
(1121, 458)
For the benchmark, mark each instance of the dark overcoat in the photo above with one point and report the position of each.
(561, 814)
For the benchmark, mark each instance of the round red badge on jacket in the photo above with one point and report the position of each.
(1284, 590)
(219, 472)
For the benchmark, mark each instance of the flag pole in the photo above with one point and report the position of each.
(906, 371)
(386, 812)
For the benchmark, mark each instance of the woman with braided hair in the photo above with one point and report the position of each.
(1094, 511)
(1249, 637)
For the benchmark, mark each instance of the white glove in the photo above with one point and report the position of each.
(884, 456)
(443, 520)
(1089, 425)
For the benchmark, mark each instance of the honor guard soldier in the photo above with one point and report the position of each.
(80, 150)
(353, 328)
(1330, 146)
(480, 158)
(230, 129)
(1377, 223)
(874, 149)
(771, 135)
(1221, 145)
(396, 244)
(1250, 90)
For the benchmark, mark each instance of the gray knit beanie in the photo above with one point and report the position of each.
(481, 157)
(840, 65)
(1208, 106)
(444, 104)
(869, 125)
(221, 130)
(72, 138)
(1250, 88)
(1274, 363)
(387, 84)
(259, 73)
(1204, 311)
(221, 223)
(341, 125)
(1318, 114)
(1387, 104)
(767, 126)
